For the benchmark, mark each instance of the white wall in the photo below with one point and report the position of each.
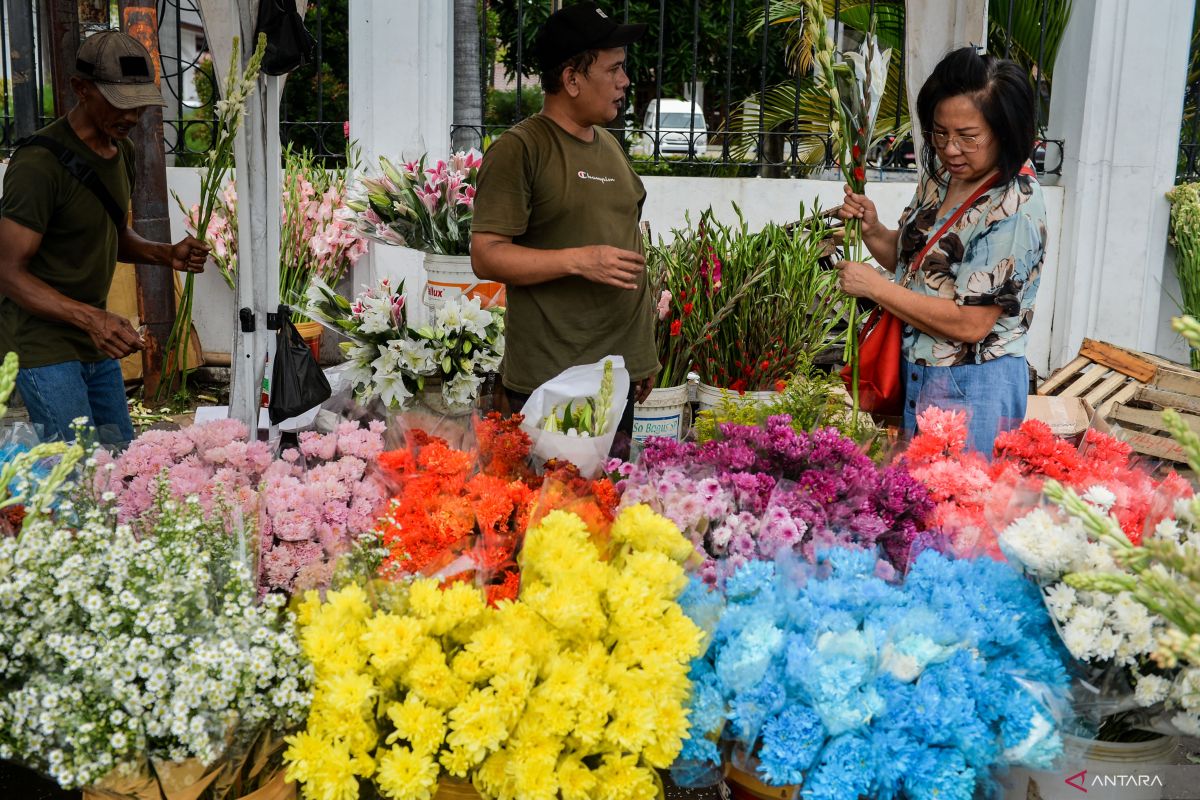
(667, 201)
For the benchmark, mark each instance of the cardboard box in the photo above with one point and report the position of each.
(1066, 416)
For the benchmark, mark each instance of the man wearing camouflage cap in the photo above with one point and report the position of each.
(62, 230)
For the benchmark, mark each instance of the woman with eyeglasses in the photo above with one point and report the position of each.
(967, 256)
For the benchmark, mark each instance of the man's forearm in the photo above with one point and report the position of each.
(133, 249)
(518, 265)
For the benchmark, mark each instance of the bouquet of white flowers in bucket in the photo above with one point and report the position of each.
(1097, 587)
(383, 359)
(388, 360)
(118, 652)
(467, 343)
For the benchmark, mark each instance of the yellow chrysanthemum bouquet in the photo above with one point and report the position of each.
(577, 690)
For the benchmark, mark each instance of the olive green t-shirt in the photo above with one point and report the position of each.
(549, 190)
(78, 253)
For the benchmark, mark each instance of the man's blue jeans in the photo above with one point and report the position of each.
(58, 394)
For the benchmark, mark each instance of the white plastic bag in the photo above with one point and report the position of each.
(576, 383)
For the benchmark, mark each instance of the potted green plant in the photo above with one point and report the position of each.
(784, 306)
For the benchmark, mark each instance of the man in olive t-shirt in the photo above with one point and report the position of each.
(556, 217)
(59, 246)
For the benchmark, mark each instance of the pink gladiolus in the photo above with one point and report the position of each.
(664, 304)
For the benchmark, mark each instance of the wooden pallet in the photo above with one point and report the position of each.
(1129, 391)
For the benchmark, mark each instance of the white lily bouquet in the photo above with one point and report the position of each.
(465, 343)
(574, 415)
(389, 360)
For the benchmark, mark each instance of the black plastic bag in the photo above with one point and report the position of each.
(289, 44)
(297, 382)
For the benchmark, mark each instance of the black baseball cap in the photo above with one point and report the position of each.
(574, 29)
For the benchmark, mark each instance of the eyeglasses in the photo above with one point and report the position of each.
(965, 144)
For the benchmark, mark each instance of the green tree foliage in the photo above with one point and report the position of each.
(316, 97)
(678, 25)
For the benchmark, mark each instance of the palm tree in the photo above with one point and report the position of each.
(468, 104)
(798, 112)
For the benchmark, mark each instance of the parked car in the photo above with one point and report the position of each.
(888, 153)
(671, 123)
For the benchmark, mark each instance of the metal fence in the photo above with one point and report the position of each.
(188, 82)
(709, 50)
(24, 74)
(692, 49)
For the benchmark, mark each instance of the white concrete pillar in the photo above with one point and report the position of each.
(1117, 103)
(401, 98)
(944, 25)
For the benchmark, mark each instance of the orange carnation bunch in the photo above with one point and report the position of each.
(461, 515)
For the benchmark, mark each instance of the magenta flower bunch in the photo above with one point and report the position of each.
(756, 490)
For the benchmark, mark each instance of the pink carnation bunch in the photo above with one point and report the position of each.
(310, 505)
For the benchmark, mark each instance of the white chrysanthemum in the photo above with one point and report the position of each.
(1106, 643)
(1043, 546)
(1059, 599)
(1151, 689)
(1130, 615)
(1078, 639)
(1100, 496)
(1187, 689)
(1167, 530)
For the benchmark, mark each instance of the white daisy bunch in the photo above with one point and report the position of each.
(114, 650)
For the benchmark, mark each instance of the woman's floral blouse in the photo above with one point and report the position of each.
(991, 256)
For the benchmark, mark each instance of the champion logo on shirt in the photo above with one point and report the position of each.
(585, 176)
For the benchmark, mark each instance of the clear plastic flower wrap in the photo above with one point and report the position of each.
(826, 676)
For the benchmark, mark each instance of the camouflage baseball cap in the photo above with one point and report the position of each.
(121, 68)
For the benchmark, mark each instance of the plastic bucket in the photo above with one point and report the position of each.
(1096, 760)
(709, 397)
(431, 398)
(447, 277)
(665, 413)
(310, 332)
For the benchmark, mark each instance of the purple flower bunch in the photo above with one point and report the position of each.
(756, 490)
